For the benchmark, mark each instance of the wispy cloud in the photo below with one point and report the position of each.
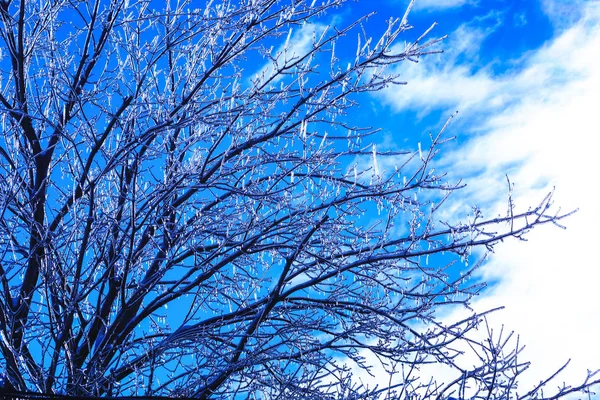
(298, 43)
(454, 79)
(441, 4)
(564, 13)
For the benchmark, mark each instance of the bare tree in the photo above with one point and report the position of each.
(186, 209)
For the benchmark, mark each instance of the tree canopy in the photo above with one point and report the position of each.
(188, 209)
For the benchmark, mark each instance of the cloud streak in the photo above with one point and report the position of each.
(441, 4)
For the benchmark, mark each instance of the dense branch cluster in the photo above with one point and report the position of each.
(187, 210)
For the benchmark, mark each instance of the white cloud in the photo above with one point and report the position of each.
(539, 124)
(547, 136)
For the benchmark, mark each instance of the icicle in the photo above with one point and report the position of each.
(303, 126)
(323, 141)
(287, 41)
(375, 166)
(357, 50)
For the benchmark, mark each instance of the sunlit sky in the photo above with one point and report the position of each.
(525, 78)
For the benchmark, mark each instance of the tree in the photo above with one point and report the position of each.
(178, 220)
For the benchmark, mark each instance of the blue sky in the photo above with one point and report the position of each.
(525, 78)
